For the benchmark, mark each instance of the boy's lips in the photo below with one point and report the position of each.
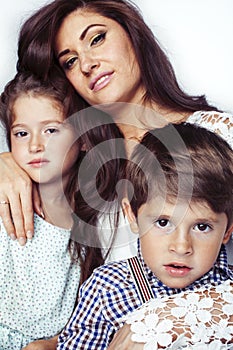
(177, 269)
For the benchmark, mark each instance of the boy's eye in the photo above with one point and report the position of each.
(202, 227)
(98, 38)
(162, 223)
(20, 134)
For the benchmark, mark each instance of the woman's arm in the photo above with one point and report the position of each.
(17, 191)
(49, 344)
(122, 340)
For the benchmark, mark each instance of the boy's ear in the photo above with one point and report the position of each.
(130, 215)
(84, 147)
(228, 234)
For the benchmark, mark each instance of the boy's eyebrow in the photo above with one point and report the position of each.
(82, 37)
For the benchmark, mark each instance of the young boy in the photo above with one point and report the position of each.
(181, 206)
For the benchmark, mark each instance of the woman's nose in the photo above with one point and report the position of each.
(88, 63)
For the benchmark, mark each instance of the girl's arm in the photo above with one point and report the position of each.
(16, 189)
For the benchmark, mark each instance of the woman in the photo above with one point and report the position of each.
(111, 57)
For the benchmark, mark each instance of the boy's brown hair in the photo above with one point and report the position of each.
(185, 162)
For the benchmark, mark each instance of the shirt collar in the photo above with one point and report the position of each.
(220, 272)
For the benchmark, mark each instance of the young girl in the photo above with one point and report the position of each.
(39, 281)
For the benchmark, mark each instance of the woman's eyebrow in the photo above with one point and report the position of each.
(83, 34)
(82, 37)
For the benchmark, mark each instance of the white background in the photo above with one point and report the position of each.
(196, 34)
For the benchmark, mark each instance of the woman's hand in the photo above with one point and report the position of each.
(16, 203)
(122, 340)
(49, 344)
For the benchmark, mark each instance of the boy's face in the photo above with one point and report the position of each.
(41, 143)
(179, 243)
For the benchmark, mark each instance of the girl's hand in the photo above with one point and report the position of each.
(49, 344)
(16, 207)
(122, 340)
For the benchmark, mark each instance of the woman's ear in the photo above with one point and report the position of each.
(130, 215)
(228, 234)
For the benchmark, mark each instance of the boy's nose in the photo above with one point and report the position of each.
(181, 243)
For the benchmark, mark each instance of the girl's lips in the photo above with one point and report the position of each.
(100, 81)
(177, 270)
(38, 163)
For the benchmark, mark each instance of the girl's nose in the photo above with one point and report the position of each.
(36, 145)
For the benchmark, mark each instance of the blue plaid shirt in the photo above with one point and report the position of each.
(110, 294)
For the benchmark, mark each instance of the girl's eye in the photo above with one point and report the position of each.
(67, 65)
(20, 134)
(98, 38)
(51, 131)
(201, 227)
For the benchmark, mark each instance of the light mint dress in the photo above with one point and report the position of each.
(38, 285)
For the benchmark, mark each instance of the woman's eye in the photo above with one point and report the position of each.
(98, 38)
(201, 227)
(69, 63)
(20, 134)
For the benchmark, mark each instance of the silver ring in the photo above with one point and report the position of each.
(4, 202)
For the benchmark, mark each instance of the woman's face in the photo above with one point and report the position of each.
(97, 57)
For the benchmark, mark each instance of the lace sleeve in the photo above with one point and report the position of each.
(220, 123)
(197, 320)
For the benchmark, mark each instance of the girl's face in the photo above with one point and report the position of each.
(97, 57)
(42, 143)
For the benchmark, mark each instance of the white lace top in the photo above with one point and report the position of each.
(220, 123)
(190, 320)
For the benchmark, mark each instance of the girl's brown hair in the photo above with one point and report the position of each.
(92, 127)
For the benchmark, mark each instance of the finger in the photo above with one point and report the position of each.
(17, 218)
(6, 219)
(27, 211)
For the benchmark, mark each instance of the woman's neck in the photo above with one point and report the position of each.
(134, 120)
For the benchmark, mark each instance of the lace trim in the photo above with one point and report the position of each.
(197, 320)
(220, 123)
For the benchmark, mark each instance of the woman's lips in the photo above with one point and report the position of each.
(100, 81)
